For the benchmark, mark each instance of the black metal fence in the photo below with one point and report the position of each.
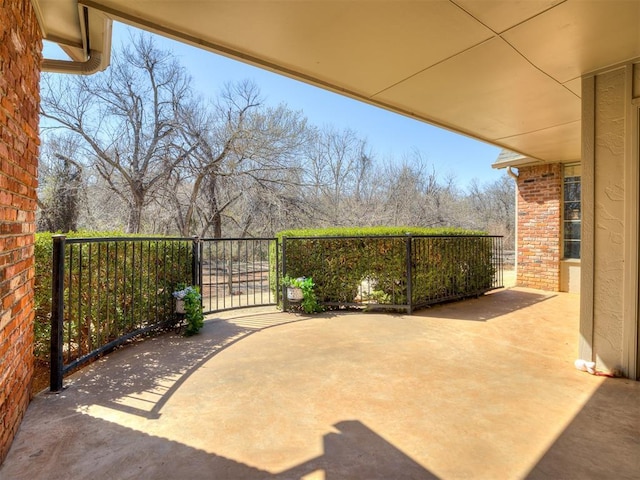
(450, 268)
(395, 272)
(108, 290)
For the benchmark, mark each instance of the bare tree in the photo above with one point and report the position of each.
(338, 167)
(61, 186)
(126, 118)
(413, 194)
(172, 162)
(492, 207)
(240, 148)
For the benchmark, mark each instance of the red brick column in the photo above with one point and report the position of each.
(539, 226)
(20, 55)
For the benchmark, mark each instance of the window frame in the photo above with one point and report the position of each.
(571, 170)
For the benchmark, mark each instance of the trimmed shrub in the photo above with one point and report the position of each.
(111, 288)
(445, 263)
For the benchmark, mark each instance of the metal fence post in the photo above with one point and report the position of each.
(278, 292)
(195, 261)
(500, 261)
(196, 265)
(408, 241)
(57, 314)
(285, 300)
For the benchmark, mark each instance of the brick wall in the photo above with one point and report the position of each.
(20, 53)
(539, 226)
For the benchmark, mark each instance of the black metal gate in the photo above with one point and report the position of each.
(238, 273)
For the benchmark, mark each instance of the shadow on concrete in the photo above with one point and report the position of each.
(140, 381)
(486, 307)
(358, 452)
(354, 452)
(605, 432)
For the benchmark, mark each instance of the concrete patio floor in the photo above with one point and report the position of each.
(481, 389)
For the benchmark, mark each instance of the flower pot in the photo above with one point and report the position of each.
(180, 306)
(294, 294)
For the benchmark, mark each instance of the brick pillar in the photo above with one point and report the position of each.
(539, 226)
(20, 55)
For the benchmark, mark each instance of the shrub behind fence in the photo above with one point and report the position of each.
(105, 291)
(395, 272)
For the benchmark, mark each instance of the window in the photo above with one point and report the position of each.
(572, 213)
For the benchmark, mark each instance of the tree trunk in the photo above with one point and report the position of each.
(134, 220)
(217, 225)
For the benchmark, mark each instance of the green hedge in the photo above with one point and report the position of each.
(375, 231)
(108, 291)
(339, 260)
(449, 267)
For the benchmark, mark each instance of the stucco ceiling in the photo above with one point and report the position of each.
(504, 71)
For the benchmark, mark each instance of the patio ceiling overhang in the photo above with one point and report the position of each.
(503, 71)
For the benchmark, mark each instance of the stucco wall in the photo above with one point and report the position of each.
(20, 53)
(539, 224)
(609, 216)
(609, 323)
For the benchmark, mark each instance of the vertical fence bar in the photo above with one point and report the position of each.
(99, 297)
(57, 314)
(196, 260)
(408, 241)
(170, 283)
(125, 289)
(236, 264)
(212, 280)
(156, 259)
(132, 316)
(277, 268)
(90, 315)
(133, 322)
(200, 271)
(107, 292)
(235, 290)
(218, 273)
(69, 325)
(115, 326)
(246, 272)
(148, 289)
(251, 277)
(221, 272)
(225, 273)
(195, 263)
(141, 296)
(285, 303)
(79, 290)
(500, 261)
(103, 282)
(231, 272)
(225, 265)
(165, 286)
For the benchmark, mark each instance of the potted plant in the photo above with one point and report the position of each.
(188, 303)
(300, 290)
(293, 288)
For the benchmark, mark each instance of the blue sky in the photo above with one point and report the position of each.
(389, 135)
